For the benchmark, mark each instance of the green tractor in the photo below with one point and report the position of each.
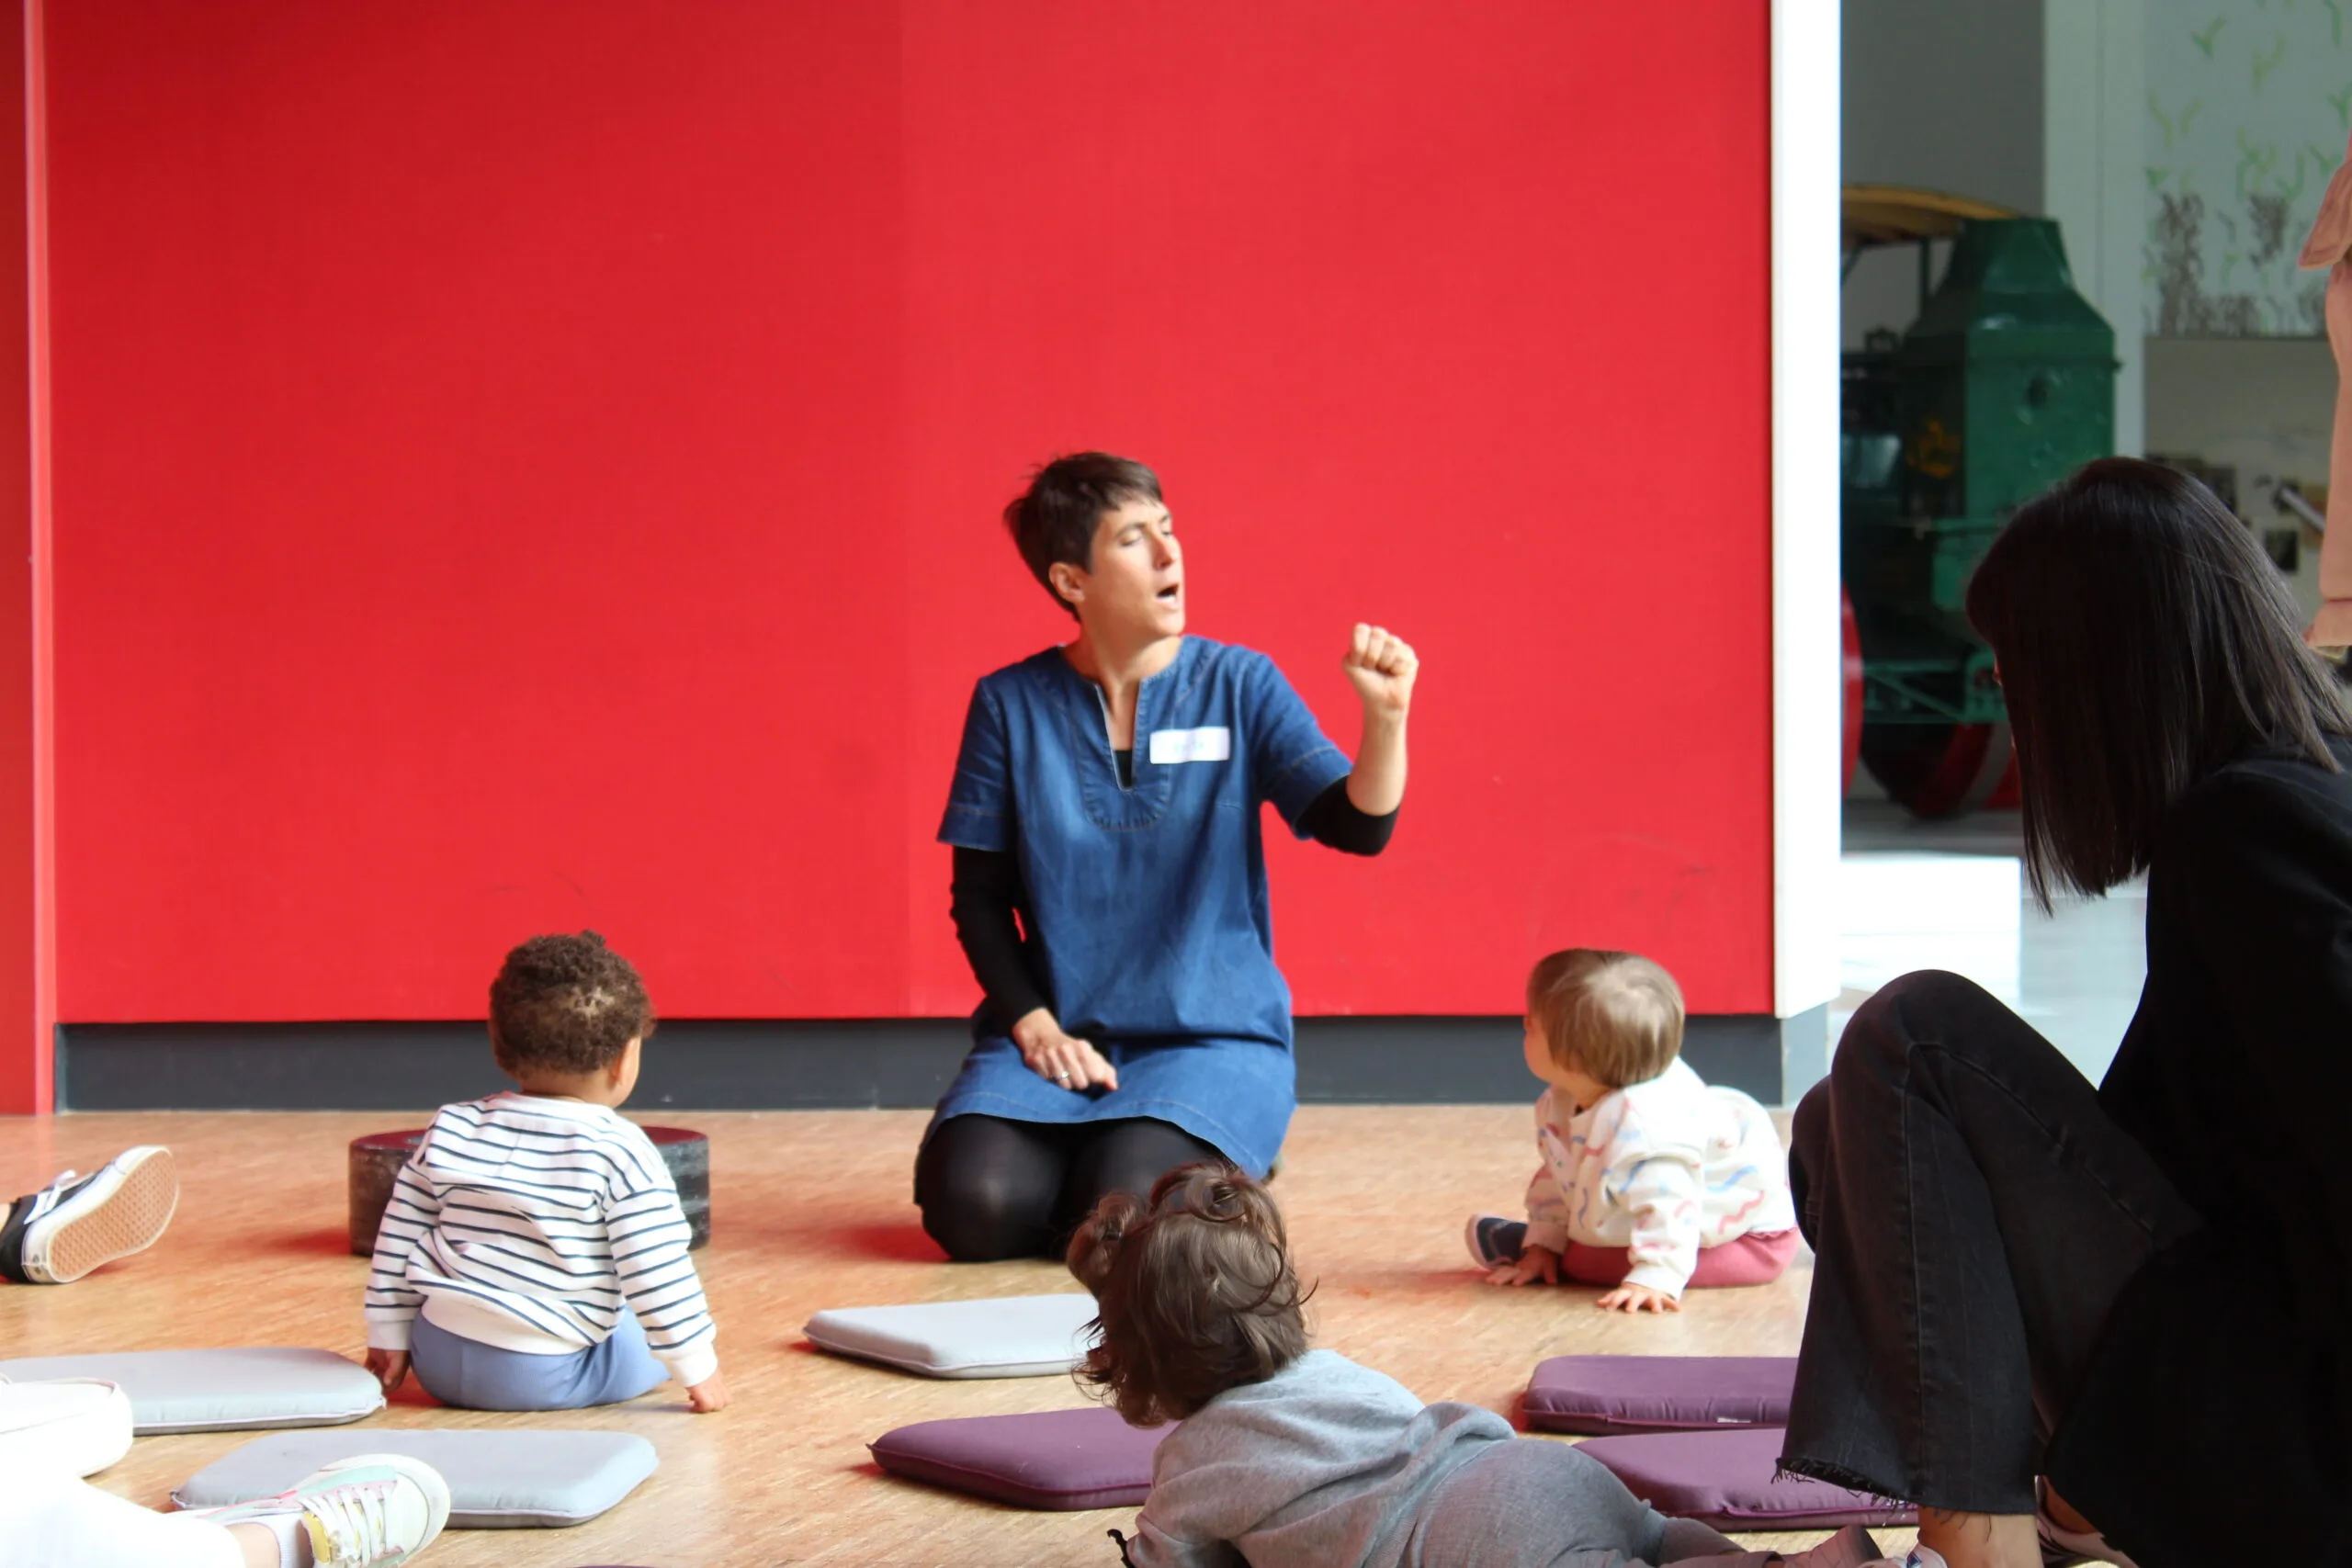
(2003, 385)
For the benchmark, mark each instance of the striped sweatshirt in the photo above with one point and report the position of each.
(530, 1225)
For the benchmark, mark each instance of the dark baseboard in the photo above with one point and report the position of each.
(805, 1064)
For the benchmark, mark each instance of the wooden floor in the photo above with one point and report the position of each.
(810, 1210)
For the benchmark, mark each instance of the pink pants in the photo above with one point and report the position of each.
(1756, 1258)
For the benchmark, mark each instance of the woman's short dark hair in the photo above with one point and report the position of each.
(1193, 1293)
(566, 1004)
(1054, 520)
(2143, 640)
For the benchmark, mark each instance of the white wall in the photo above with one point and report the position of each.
(1945, 97)
(2264, 406)
(2037, 104)
(2247, 105)
(2094, 108)
(2246, 111)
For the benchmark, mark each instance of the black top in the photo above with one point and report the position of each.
(992, 905)
(2215, 1423)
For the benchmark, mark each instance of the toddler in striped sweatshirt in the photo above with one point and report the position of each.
(534, 1253)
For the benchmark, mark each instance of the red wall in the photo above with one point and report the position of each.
(28, 1000)
(522, 465)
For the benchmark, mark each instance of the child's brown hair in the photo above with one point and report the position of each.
(1193, 1293)
(1615, 1016)
(566, 1004)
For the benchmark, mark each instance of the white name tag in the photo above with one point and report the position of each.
(1214, 744)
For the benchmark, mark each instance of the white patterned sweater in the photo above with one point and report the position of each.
(1664, 1168)
(532, 1225)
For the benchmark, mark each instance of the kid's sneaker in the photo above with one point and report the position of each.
(79, 1222)
(1495, 1241)
(367, 1511)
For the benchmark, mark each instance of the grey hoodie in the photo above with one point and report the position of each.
(1328, 1464)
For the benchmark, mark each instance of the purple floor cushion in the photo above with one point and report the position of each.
(1731, 1479)
(1659, 1393)
(1053, 1459)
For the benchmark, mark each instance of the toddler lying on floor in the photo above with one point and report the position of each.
(1289, 1456)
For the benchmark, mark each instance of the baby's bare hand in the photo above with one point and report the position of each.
(1535, 1263)
(390, 1368)
(1639, 1298)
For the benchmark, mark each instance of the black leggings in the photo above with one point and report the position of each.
(992, 1189)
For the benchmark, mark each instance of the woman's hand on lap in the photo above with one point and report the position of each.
(1061, 1058)
(1382, 667)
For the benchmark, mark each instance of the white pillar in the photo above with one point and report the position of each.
(1805, 647)
(2095, 92)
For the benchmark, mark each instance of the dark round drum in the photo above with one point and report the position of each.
(376, 1162)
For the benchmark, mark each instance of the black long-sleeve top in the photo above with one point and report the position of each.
(991, 904)
(2235, 1077)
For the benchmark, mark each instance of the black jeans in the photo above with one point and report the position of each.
(1973, 1215)
(991, 1187)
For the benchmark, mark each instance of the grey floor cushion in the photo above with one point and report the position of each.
(219, 1391)
(1006, 1337)
(1731, 1479)
(506, 1479)
(78, 1425)
(1053, 1459)
(1659, 1393)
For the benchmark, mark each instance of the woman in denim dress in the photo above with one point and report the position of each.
(1110, 878)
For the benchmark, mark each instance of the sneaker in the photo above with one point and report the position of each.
(2060, 1546)
(1495, 1241)
(368, 1511)
(79, 1222)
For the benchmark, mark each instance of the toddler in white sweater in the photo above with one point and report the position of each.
(1651, 1180)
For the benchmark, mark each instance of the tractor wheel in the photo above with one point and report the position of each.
(1937, 770)
(1851, 686)
(2008, 794)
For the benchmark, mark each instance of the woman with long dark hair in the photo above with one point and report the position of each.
(2038, 1306)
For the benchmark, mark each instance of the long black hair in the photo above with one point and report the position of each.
(2143, 640)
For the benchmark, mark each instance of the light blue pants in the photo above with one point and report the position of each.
(471, 1375)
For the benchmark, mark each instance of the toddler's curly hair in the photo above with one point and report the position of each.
(566, 1004)
(1193, 1293)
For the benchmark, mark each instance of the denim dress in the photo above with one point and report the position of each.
(1150, 927)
